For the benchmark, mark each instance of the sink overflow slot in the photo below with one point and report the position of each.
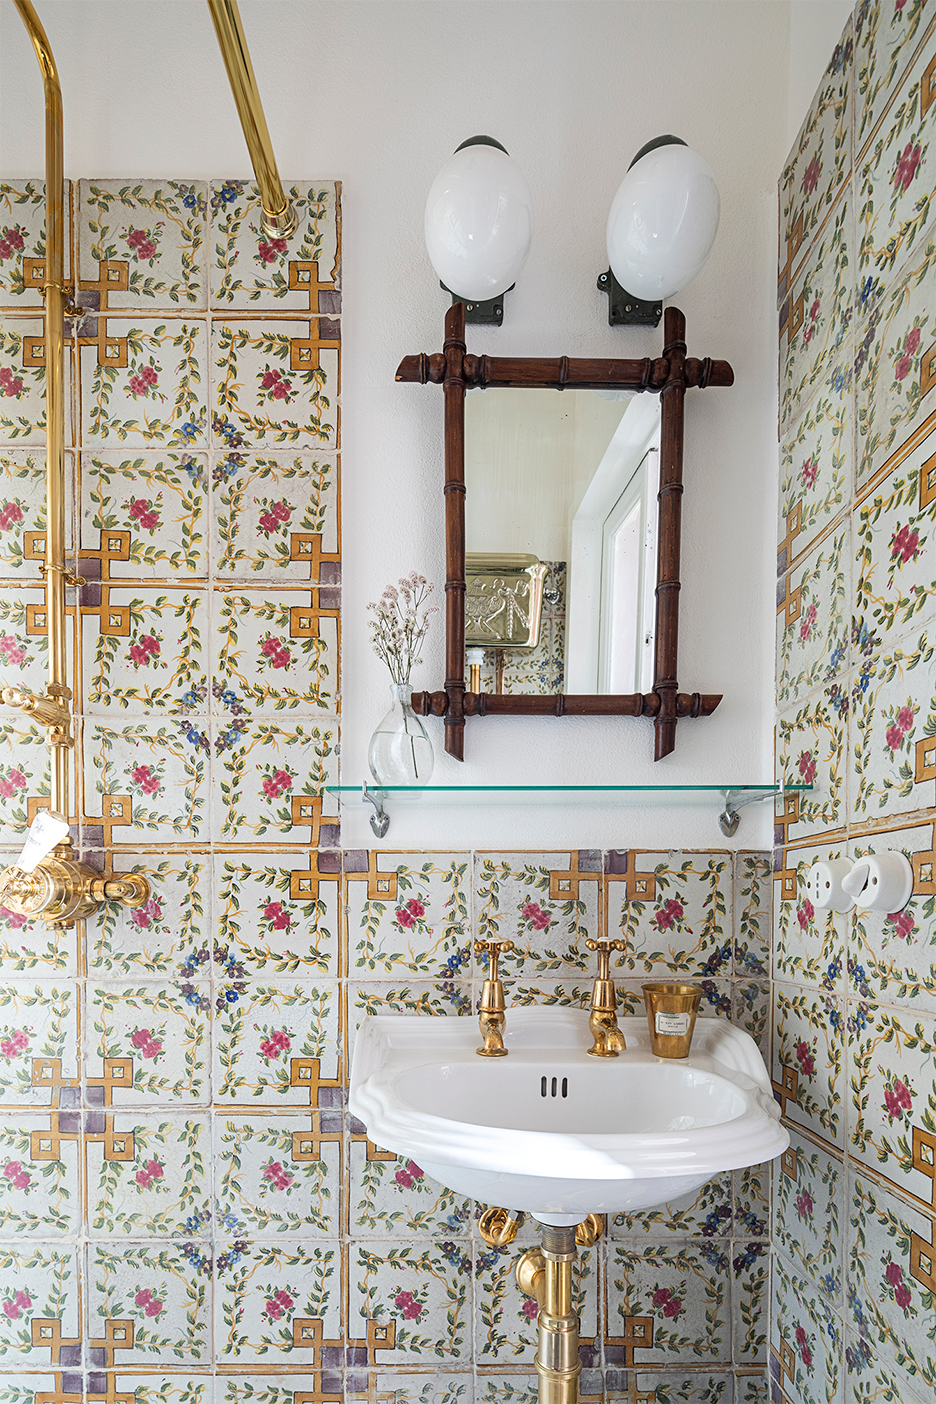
(549, 1087)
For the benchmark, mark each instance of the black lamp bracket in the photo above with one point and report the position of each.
(625, 310)
(482, 314)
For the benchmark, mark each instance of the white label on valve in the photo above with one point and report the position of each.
(677, 1025)
(45, 831)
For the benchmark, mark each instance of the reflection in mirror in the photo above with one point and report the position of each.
(566, 482)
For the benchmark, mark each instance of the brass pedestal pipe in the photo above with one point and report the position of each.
(545, 1273)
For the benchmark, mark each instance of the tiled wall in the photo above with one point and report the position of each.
(185, 1208)
(854, 1021)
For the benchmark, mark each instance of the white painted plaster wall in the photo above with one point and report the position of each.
(377, 94)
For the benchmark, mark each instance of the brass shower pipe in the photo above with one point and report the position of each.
(60, 889)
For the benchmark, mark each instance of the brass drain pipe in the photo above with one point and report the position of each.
(545, 1273)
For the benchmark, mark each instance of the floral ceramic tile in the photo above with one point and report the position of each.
(892, 1061)
(23, 511)
(752, 892)
(148, 1303)
(279, 913)
(24, 771)
(750, 1293)
(868, 1380)
(22, 382)
(886, 32)
(815, 473)
(277, 1045)
(809, 1061)
(40, 1175)
(145, 781)
(39, 1022)
(809, 944)
(896, 189)
(40, 1303)
(806, 1336)
(505, 1327)
(266, 776)
(144, 385)
(674, 910)
(812, 618)
(275, 384)
(278, 1175)
(443, 998)
(819, 314)
(895, 370)
(892, 955)
(155, 1387)
(409, 913)
(152, 660)
(890, 1279)
(706, 1211)
(546, 903)
(276, 516)
(252, 271)
(392, 1197)
(276, 650)
(809, 1202)
(820, 160)
(750, 1008)
(31, 947)
(811, 750)
(157, 938)
(276, 1388)
(156, 230)
(676, 1387)
(414, 1298)
(24, 646)
(440, 1387)
(669, 1303)
(894, 580)
(145, 515)
(147, 1044)
(752, 1200)
(148, 1177)
(22, 238)
(893, 726)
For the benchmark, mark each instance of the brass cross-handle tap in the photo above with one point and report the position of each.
(602, 1019)
(492, 1018)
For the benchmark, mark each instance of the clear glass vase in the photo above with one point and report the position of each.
(400, 752)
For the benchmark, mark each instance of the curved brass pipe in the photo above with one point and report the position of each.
(55, 294)
(279, 219)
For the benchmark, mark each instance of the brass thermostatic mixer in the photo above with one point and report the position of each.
(46, 882)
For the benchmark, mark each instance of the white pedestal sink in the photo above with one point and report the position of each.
(552, 1131)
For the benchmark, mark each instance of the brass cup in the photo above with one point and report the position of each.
(671, 1015)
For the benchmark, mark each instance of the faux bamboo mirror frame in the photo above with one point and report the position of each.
(668, 376)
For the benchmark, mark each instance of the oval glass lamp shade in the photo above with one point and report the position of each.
(663, 222)
(479, 222)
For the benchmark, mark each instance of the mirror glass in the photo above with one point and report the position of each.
(561, 539)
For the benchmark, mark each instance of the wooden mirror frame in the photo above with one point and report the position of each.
(670, 377)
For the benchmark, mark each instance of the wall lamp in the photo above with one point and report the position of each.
(662, 224)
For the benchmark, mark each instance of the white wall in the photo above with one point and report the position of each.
(378, 94)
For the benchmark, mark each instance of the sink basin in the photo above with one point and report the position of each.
(552, 1131)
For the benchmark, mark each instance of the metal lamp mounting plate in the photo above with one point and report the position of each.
(482, 314)
(624, 309)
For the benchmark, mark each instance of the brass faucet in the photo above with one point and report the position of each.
(602, 1020)
(492, 1017)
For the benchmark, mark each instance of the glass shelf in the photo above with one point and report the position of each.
(732, 797)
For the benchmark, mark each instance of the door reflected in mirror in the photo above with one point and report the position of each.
(560, 537)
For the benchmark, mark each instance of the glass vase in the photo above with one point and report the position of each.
(400, 752)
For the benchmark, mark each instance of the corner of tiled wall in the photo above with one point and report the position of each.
(853, 1038)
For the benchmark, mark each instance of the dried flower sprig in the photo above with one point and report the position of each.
(400, 623)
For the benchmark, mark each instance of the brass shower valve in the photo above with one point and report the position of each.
(61, 890)
(492, 1017)
(602, 1019)
(47, 711)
